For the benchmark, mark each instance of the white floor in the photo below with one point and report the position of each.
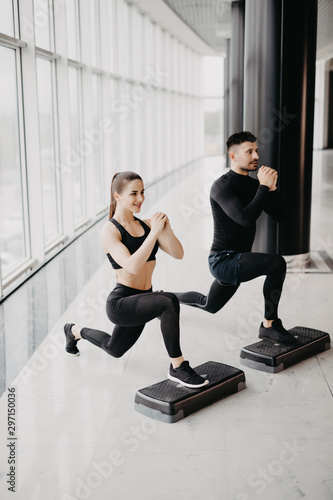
(78, 436)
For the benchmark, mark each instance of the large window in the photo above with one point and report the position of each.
(12, 228)
(89, 88)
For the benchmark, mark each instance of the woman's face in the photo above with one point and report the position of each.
(132, 196)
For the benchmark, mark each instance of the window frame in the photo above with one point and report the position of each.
(6, 278)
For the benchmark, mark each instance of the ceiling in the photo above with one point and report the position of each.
(211, 21)
(325, 31)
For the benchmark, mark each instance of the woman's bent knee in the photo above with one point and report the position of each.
(170, 300)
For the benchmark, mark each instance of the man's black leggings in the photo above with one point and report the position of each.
(130, 309)
(251, 265)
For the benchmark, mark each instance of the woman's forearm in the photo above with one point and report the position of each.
(173, 245)
(138, 259)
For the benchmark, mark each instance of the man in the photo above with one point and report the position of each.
(237, 200)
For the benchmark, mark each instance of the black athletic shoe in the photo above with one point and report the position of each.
(277, 333)
(186, 376)
(71, 342)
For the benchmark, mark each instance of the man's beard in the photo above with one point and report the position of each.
(250, 168)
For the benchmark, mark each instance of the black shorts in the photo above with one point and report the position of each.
(224, 266)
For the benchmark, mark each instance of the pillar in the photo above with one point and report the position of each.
(279, 80)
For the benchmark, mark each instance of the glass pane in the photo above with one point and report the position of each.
(76, 133)
(158, 48)
(167, 67)
(42, 18)
(97, 143)
(6, 17)
(213, 68)
(213, 126)
(127, 47)
(130, 127)
(114, 167)
(47, 150)
(175, 64)
(94, 25)
(168, 130)
(120, 37)
(71, 12)
(150, 131)
(176, 134)
(12, 241)
(149, 53)
(112, 36)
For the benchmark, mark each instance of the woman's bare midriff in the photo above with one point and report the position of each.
(140, 281)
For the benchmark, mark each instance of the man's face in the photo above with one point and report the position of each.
(244, 157)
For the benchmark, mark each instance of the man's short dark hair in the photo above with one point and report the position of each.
(239, 138)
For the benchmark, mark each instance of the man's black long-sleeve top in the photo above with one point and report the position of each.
(237, 201)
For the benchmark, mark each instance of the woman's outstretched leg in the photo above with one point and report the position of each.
(121, 340)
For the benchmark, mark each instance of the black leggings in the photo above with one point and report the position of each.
(130, 309)
(251, 265)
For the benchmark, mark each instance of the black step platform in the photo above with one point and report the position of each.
(273, 358)
(170, 402)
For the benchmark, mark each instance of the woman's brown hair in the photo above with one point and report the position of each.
(119, 180)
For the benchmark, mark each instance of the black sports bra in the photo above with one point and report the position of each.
(132, 243)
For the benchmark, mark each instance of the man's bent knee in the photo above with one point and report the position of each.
(278, 265)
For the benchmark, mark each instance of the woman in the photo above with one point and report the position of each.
(131, 245)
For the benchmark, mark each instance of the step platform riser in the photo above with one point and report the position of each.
(169, 402)
(271, 358)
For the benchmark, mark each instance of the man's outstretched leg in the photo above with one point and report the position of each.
(216, 298)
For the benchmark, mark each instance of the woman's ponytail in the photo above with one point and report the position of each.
(117, 185)
(113, 201)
